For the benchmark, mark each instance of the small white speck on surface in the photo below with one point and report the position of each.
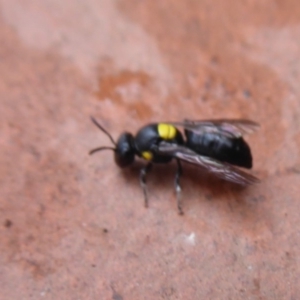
(43, 294)
(191, 239)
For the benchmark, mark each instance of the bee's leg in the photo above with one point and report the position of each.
(177, 186)
(143, 184)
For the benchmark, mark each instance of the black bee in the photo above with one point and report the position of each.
(216, 146)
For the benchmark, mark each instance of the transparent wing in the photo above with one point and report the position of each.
(230, 128)
(222, 170)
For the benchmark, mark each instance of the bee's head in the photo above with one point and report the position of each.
(124, 151)
(124, 148)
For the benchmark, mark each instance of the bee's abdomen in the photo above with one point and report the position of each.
(231, 150)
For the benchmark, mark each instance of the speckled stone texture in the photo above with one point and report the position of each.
(73, 226)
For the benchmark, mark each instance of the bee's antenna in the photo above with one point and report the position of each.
(106, 132)
(100, 149)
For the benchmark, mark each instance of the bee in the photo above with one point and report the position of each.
(216, 146)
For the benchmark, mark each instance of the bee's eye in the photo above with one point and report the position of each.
(125, 150)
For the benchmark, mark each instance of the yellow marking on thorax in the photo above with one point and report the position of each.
(147, 155)
(166, 131)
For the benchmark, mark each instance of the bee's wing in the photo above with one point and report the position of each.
(220, 169)
(230, 128)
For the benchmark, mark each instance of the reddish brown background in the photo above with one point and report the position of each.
(74, 226)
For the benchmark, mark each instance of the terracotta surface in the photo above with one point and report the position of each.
(73, 226)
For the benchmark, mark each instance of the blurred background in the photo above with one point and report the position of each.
(74, 226)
